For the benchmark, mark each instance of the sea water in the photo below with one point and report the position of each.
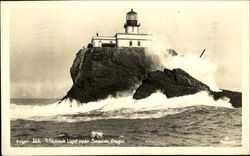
(191, 120)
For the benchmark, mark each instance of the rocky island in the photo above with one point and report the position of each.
(98, 72)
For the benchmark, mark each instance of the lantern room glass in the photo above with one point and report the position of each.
(131, 17)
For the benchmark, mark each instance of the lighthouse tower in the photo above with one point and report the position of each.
(131, 26)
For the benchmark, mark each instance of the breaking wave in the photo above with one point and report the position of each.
(200, 68)
(125, 107)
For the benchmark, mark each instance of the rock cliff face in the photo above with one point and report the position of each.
(99, 72)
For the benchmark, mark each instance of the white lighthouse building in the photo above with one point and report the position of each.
(131, 38)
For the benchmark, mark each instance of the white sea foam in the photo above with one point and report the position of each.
(200, 68)
(155, 106)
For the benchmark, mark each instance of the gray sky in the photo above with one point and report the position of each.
(44, 41)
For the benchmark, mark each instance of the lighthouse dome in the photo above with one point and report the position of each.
(131, 25)
(131, 15)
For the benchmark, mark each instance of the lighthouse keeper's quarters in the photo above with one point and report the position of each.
(131, 37)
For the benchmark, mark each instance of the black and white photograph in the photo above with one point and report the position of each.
(141, 77)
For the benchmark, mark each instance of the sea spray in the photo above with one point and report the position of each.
(155, 106)
(200, 68)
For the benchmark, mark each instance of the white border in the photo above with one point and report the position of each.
(5, 81)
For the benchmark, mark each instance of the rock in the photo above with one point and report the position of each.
(172, 52)
(99, 72)
(74, 70)
(172, 83)
(179, 83)
(235, 97)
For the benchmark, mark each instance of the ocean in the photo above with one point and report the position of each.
(189, 121)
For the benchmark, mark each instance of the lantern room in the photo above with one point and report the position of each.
(131, 25)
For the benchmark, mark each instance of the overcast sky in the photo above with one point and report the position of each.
(44, 41)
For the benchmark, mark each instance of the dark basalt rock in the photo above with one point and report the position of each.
(172, 83)
(99, 72)
(172, 52)
(177, 82)
(235, 97)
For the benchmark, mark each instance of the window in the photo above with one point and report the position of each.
(139, 43)
(130, 43)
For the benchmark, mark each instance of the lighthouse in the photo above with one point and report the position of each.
(131, 38)
(132, 25)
